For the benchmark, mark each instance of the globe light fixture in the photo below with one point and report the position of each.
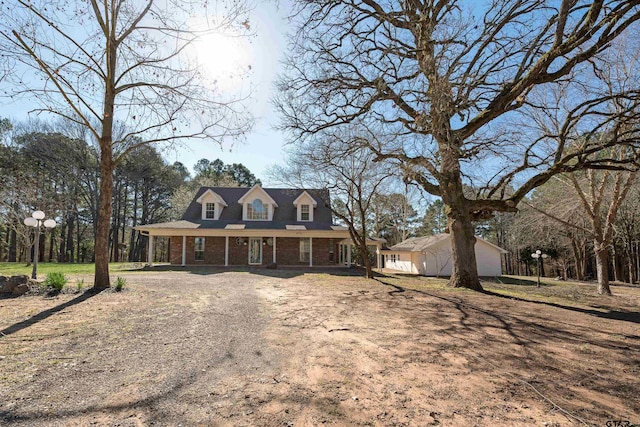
(35, 220)
(538, 255)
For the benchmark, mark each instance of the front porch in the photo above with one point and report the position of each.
(233, 250)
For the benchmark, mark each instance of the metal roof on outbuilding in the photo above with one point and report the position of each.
(421, 244)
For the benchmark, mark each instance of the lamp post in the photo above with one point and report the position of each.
(36, 220)
(537, 255)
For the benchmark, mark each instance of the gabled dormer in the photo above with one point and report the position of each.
(212, 205)
(305, 204)
(257, 205)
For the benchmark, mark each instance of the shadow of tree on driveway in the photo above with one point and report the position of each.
(46, 314)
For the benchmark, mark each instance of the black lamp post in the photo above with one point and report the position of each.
(36, 220)
(537, 255)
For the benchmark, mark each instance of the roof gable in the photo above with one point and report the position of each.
(305, 196)
(209, 193)
(491, 245)
(257, 189)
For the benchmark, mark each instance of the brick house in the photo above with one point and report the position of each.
(255, 226)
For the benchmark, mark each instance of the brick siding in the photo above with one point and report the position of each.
(287, 251)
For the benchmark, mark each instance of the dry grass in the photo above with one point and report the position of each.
(286, 347)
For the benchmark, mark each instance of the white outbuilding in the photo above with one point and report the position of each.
(431, 256)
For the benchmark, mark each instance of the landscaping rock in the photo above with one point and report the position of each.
(20, 289)
(9, 285)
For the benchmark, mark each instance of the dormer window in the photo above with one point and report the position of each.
(212, 205)
(210, 211)
(304, 213)
(304, 204)
(257, 205)
(257, 210)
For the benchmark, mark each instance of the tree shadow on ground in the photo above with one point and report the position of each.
(606, 312)
(538, 346)
(626, 316)
(149, 403)
(506, 280)
(46, 314)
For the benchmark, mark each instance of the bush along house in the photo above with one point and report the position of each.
(255, 227)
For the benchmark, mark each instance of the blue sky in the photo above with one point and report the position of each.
(264, 145)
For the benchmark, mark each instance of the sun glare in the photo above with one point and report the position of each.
(224, 59)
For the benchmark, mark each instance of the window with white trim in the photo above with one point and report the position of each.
(304, 213)
(331, 250)
(199, 249)
(305, 249)
(257, 210)
(210, 211)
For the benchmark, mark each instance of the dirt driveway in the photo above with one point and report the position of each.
(292, 349)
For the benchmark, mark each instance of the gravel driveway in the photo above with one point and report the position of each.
(285, 348)
(174, 348)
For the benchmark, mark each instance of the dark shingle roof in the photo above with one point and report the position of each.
(284, 214)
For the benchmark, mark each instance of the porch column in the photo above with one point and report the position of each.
(310, 251)
(226, 251)
(378, 263)
(274, 249)
(349, 254)
(184, 250)
(150, 251)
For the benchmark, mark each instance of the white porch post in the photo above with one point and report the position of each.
(274, 249)
(184, 250)
(150, 251)
(349, 254)
(310, 251)
(378, 263)
(226, 251)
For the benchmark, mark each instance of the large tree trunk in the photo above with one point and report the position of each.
(102, 280)
(464, 272)
(368, 270)
(602, 266)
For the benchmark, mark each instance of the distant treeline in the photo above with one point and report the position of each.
(43, 168)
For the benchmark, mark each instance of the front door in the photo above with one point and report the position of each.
(255, 250)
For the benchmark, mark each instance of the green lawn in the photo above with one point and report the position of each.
(15, 268)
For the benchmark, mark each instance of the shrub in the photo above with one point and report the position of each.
(56, 280)
(120, 283)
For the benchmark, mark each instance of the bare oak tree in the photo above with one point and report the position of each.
(448, 82)
(342, 164)
(123, 65)
(600, 194)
